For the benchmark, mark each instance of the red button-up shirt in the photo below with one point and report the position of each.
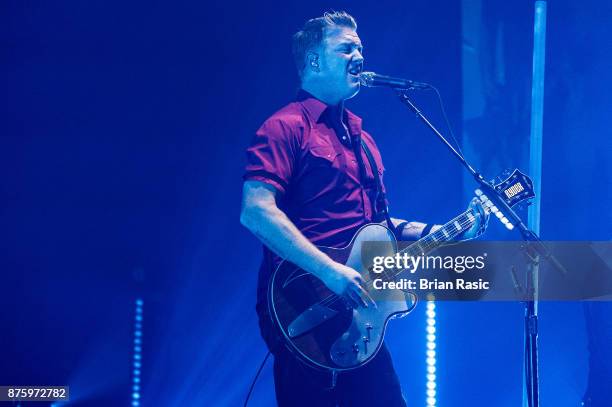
(301, 152)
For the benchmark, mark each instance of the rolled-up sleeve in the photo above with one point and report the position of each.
(272, 155)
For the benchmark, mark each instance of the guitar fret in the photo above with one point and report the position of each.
(417, 249)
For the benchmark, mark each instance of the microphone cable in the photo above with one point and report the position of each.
(448, 125)
(255, 379)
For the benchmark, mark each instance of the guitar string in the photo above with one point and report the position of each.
(463, 220)
(331, 299)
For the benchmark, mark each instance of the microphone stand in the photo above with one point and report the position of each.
(534, 249)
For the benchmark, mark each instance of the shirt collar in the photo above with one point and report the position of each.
(315, 109)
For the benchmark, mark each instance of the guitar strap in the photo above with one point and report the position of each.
(379, 203)
(380, 200)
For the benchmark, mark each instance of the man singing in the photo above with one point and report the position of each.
(308, 182)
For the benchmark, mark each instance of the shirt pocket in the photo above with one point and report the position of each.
(325, 166)
(324, 152)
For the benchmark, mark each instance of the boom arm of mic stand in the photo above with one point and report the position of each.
(488, 189)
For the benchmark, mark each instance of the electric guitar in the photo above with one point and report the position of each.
(321, 329)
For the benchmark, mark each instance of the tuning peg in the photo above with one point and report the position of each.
(505, 222)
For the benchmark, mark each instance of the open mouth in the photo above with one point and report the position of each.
(356, 69)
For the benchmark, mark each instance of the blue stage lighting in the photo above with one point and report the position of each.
(137, 357)
(431, 354)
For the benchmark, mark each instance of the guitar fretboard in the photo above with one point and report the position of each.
(446, 233)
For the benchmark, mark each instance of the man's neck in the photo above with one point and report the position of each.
(325, 98)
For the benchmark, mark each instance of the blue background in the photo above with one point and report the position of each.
(123, 132)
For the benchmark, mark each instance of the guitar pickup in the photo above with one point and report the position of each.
(310, 319)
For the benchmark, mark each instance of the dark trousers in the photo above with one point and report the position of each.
(375, 384)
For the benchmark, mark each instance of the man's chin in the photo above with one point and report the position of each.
(354, 90)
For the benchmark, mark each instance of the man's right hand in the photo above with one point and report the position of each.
(261, 215)
(348, 284)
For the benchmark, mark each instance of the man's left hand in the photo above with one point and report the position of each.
(482, 220)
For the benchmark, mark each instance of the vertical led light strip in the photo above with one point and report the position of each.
(136, 373)
(431, 353)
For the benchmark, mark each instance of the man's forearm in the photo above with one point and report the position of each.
(277, 231)
(412, 230)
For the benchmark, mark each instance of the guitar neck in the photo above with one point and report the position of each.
(447, 233)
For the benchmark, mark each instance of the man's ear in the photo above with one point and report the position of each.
(313, 61)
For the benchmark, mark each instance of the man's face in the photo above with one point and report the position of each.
(340, 62)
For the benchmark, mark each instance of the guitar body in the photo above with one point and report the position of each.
(317, 325)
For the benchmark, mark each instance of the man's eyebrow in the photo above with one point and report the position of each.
(351, 44)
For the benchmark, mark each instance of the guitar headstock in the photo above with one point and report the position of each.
(513, 187)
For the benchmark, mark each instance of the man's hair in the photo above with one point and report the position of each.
(311, 35)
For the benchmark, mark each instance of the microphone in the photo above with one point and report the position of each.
(372, 79)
